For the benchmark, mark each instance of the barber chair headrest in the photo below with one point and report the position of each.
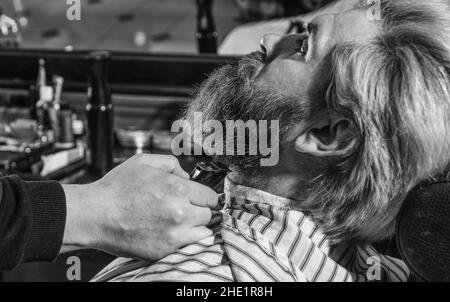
(423, 231)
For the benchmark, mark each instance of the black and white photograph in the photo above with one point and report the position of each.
(201, 142)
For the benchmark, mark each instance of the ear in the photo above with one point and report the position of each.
(328, 136)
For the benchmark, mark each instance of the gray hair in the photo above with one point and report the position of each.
(396, 89)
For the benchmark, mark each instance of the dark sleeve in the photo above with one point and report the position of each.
(32, 221)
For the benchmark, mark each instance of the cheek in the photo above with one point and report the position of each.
(286, 77)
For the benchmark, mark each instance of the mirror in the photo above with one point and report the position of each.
(150, 26)
(154, 26)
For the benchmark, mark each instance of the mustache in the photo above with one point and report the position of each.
(230, 93)
(249, 64)
(256, 57)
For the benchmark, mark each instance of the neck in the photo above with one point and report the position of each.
(288, 179)
(272, 180)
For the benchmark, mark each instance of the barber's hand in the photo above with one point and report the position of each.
(145, 208)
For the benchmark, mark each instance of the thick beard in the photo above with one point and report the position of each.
(351, 200)
(230, 94)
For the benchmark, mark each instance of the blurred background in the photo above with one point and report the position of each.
(86, 84)
(131, 25)
(138, 25)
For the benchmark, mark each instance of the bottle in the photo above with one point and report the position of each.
(100, 115)
(206, 30)
(42, 74)
(44, 120)
(45, 93)
(61, 117)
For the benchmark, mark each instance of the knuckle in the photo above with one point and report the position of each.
(175, 211)
(171, 159)
(181, 189)
(166, 194)
(176, 187)
(172, 236)
(178, 215)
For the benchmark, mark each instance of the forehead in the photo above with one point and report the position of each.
(351, 26)
(333, 29)
(291, 76)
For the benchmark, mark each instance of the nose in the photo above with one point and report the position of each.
(268, 43)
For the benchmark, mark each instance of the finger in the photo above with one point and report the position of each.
(196, 234)
(170, 164)
(198, 216)
(167, 163)
(201, 195)
(178, 171)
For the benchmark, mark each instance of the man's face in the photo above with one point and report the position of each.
(296, 64)
(286, 83)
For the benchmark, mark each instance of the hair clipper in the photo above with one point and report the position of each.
(210, 174)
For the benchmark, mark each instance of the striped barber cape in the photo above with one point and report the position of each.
(260, 237)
